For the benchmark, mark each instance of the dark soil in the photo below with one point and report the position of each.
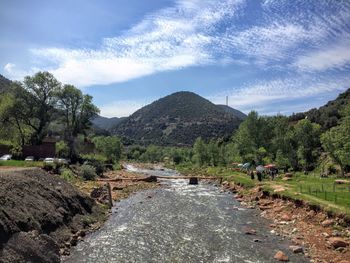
(41, 215)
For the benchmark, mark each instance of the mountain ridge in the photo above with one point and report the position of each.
(177, 119)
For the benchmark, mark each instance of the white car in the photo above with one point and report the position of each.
(6, 157)
(49, 160)
(29, 159)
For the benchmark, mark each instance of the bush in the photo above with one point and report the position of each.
(88, 172)
(67, 175)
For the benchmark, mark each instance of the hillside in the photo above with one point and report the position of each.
(106, 123)
(240, 115)
(4, 83)
(328, 115)
(177, 119)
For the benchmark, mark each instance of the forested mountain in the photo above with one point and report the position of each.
(106, 123)
(4, 83)
(328, 115)
(237, 113)
(177, 119)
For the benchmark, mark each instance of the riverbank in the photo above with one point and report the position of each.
(324, 236)
(41, 215)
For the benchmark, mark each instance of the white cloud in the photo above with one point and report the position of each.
(122, 108)
(285, 35)
(335, 56)
(169, 39)
(261, 95)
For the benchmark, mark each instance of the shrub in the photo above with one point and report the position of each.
(67, 175)
(88, 172)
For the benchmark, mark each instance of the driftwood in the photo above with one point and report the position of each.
(339, 181)
(154, 178)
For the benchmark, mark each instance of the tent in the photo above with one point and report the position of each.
(260, 168)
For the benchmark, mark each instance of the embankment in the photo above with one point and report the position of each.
(41, 215)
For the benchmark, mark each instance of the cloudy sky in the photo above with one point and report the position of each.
(273, 56)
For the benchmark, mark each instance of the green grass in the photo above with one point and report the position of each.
(19, 163)
(311, 188)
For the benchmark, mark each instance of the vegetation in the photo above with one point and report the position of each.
(177, 120)
(40, 105)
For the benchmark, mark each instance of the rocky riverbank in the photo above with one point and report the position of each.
(41, 215)
(319, 236)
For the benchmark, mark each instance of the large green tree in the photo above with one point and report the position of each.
(39, 99)
(110, 146)
(336, 141)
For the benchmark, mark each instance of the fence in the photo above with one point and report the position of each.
(332, 192)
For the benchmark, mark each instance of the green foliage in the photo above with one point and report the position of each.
(336, 141)
(62, 149)
(110, 146)
(88, 172)
(67, 175)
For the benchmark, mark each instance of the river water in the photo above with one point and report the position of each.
(181, 223)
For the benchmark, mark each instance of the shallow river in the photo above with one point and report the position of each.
(181, 223)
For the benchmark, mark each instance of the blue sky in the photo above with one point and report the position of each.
(273, 56)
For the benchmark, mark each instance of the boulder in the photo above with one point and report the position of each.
(296, 249)
(337, 242)
(286, 217)
(280, 256)
(327, 222)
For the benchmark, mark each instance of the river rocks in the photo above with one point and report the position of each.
(250, 231)
(327, 222)
(337, 242)
(280, 256)
(296, 249)
(286, 217)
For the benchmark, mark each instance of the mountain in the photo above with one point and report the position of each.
(106, 123)
(177, 119)
(328, 115)
(4, 83)
(240, 115)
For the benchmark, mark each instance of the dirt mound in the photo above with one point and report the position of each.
(38, 214)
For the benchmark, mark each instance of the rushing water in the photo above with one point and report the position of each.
(181, 223)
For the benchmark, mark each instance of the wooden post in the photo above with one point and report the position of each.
(322, 188)
(110, 201)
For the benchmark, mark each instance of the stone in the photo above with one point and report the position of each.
(327, 222)
(296, 249)
(280, 256)
(286, 217)
(336, 242)
(250, 231)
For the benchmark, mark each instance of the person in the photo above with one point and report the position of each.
(252, 174)
(259, 175)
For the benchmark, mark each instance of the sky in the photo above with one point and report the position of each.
(272, 56)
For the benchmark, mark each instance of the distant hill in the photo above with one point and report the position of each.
(177, 119)
(106, 123)
(4, 83)
(328, 115)
(240, 115)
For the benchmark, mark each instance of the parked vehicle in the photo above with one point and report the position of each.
(49, 160)
(6, 157)
(62, 160)
(29, 159)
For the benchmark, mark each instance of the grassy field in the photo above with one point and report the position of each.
(311, 188)
(19, 163)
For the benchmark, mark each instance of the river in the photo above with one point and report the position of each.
(181, 223)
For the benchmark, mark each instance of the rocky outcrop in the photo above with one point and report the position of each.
(38, 214)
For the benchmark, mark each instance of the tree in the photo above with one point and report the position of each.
(62, 149)
(110, 146)
(336, 141)
(77, 110)
(39, 93)
(307, 136)
(200, 152)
